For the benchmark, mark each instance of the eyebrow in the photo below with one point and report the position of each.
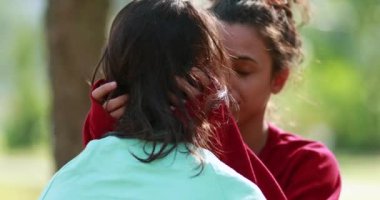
(242, 57)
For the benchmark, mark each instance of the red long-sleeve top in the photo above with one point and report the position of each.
(288, 168)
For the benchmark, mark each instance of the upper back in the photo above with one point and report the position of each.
(107, 169)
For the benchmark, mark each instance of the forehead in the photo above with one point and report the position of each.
(243, 40)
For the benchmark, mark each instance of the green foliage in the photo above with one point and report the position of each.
(25, 121)
(25, 83)
(341, 83)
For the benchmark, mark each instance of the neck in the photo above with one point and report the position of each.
(254, 133)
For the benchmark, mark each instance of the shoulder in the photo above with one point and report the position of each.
(299, 151)
(310, 165)
(232, 184)
(314, 158)
(79, 173)
(316, 172)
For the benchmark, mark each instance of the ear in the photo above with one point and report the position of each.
(279, 79)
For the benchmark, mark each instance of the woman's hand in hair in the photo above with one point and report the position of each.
(192, 90)
(116, 106)
(201, 82)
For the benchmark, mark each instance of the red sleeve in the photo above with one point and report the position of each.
(98, 121)
(265, 179)
(231, 148)
(238, 156)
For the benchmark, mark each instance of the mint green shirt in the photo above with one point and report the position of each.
(106, 169)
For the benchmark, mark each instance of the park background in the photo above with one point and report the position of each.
(333, 96)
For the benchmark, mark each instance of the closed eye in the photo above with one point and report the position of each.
(242, 73)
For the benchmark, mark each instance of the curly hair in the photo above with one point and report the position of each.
(274, 21)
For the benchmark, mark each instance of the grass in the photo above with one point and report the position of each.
(24, 174)
(361, 176)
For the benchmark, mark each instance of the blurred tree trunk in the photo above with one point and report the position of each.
(75, 32)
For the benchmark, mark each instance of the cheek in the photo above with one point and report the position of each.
(243, 92)
(254, 91)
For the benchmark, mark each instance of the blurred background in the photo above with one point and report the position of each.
(49, 48)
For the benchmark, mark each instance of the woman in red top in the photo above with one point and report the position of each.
(263, 41)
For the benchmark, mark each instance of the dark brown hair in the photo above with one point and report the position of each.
(151, 42)
(273, 19)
